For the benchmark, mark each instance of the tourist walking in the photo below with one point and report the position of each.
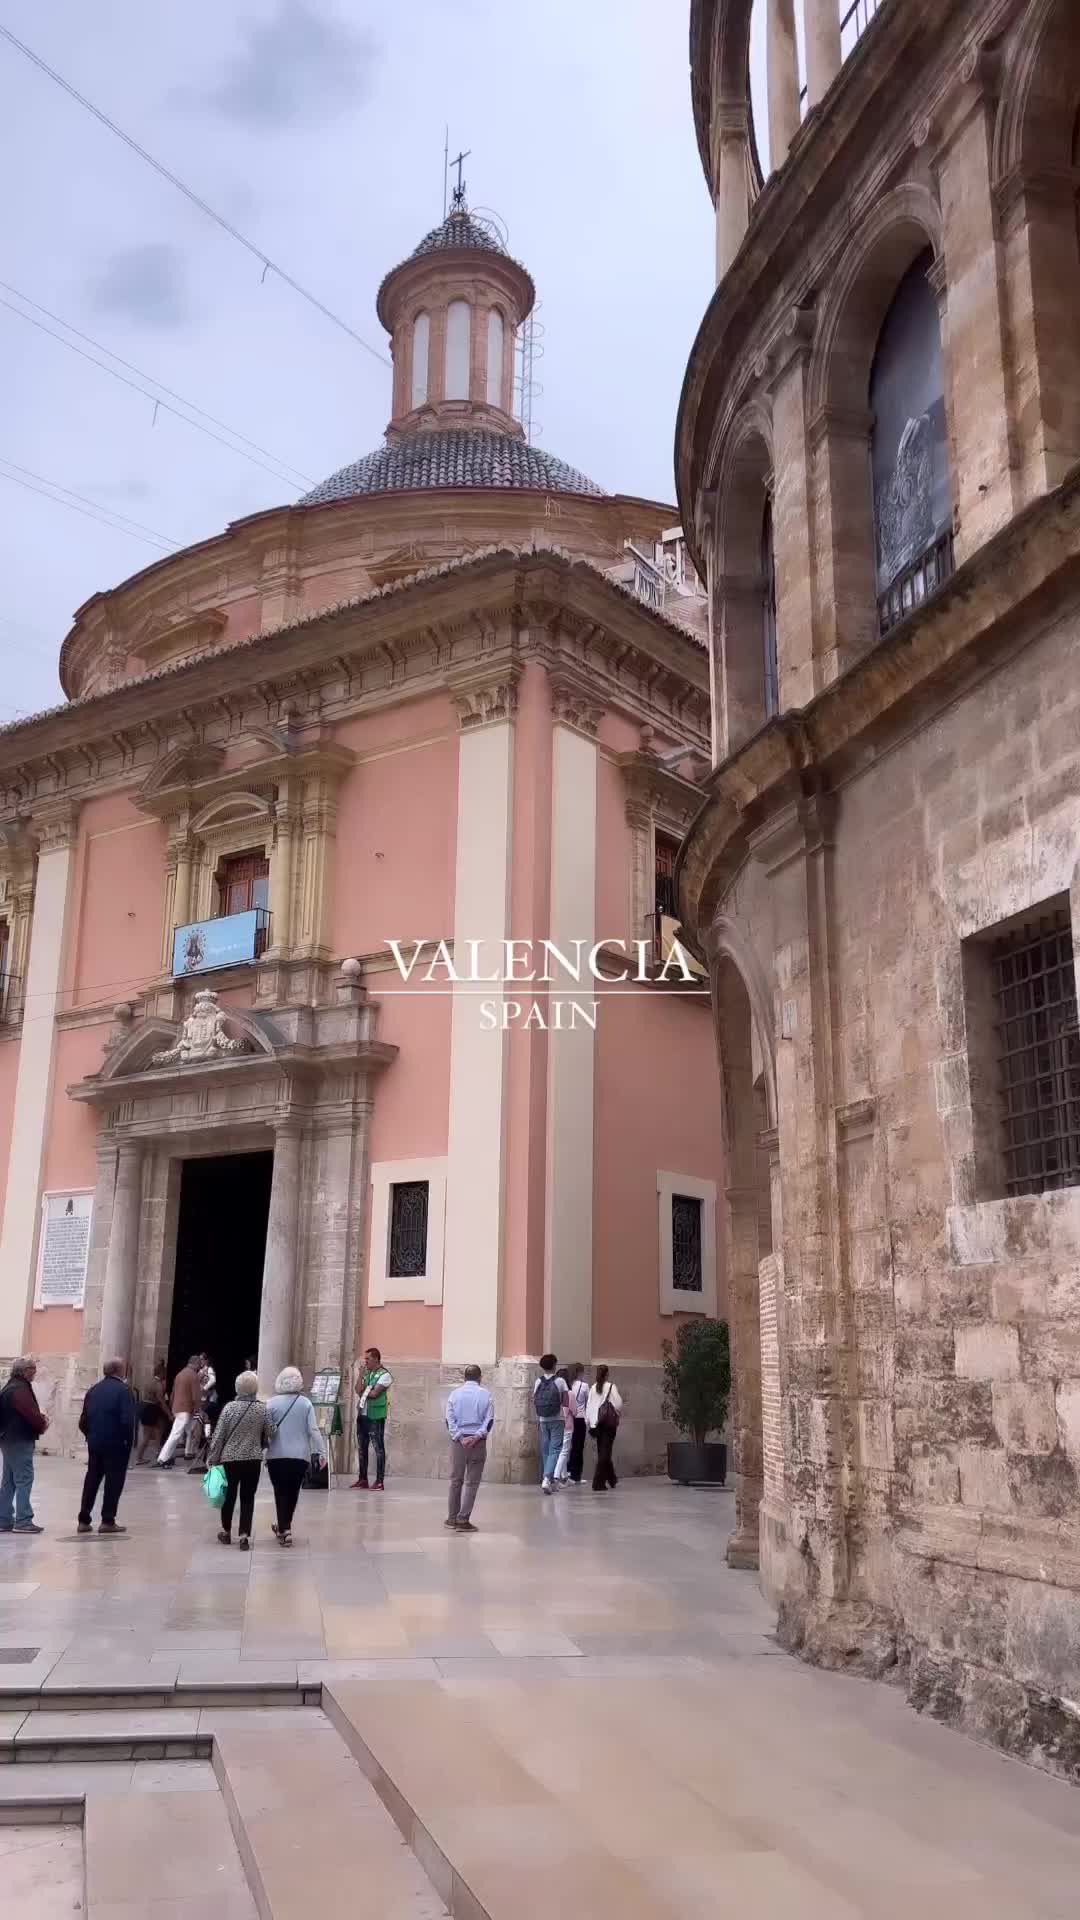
(21, 1425)
(549, 1401)
(579, 1402)
(602, 1411)
(242, 1432)
(107, 1423)
(373, 1384)
(295, 1443)
(575, 1387)
(205, 1417)
(155, 1414)
(185, 1405)
(470, 1416)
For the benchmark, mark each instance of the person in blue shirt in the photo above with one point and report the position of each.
(107, 1422)
(470, 1416)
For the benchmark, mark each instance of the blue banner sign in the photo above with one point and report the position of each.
(229, 942)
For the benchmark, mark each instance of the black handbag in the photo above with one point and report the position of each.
(317, 1477)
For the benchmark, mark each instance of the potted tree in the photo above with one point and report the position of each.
(697, 1388)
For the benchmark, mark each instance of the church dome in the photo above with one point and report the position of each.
(460, 229)
(452, 457)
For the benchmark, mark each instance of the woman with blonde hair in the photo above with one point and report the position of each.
(295, 1443)
(241, 1433)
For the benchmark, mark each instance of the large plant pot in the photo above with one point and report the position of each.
(692, 1465)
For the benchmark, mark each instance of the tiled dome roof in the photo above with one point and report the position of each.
(452, 457)
(459, 229)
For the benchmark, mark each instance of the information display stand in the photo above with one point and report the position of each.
(325, 1398)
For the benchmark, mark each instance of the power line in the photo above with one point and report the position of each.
(37, 483)
(281, 472)
(286, 465)
(268, 265)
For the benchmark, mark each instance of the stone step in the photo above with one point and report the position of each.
(493, 1789)
(54, 1737)
(45, 1809)
(312, 1834)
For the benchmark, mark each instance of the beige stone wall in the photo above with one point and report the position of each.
(416, 1432)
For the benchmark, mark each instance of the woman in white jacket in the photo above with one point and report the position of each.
(602, 1412)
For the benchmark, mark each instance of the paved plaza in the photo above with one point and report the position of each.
(582, 1689)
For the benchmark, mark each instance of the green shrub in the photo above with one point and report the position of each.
(697, 1378)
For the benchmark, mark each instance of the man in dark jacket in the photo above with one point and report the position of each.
(108, 1422)
(21, 1423)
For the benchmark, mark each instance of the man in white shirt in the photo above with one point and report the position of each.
(470, 1416)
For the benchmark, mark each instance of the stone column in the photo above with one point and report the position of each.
(281, 876)
(122, 1258)
(731, 184)
(822, 18)
(279, 1265)
(782, 61)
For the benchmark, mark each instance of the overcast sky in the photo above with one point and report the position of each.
(316, 126)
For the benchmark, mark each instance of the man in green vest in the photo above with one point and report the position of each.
(373, 1384)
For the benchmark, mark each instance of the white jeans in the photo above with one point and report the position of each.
(179, 1427)
(564, 1455)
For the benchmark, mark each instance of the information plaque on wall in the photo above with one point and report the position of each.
(64, 1249)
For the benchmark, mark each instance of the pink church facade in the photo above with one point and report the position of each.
(453, 700)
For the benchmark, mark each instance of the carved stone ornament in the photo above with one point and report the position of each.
(202, 1036)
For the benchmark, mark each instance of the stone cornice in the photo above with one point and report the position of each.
(995, 603)
(377, 651)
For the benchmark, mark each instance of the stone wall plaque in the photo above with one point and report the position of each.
(63, 1249)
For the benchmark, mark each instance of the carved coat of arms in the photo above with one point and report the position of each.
(202, 1036)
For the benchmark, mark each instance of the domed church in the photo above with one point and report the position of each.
(342, 1001)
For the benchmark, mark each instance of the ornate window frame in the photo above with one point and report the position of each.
(283, 805)
(671, 1299)
(656, 801)
(384, 1288)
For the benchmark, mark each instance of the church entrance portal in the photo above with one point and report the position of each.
(220, 1243)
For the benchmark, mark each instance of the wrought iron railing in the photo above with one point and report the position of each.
(853, 25)
(917, 583)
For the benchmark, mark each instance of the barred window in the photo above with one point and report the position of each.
(408, 1229)
(686, 1268)
(1038, 1054)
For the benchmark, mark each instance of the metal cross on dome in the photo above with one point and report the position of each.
(458, 201)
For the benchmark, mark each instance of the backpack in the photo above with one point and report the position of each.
(548, 1398)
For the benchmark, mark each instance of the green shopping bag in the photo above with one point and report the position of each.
(215, 1486)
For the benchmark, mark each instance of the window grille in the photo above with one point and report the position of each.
(408, 1229)
(1038, 1052)
(686, 1270)
(666, 855)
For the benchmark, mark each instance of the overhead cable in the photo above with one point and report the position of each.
(268, 265)
(275, 472)
(291, 472)
(91, 509)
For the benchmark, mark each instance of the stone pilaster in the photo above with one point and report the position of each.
(277, 1311)
(486, 698)
(53, 827)
(122, 1257)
